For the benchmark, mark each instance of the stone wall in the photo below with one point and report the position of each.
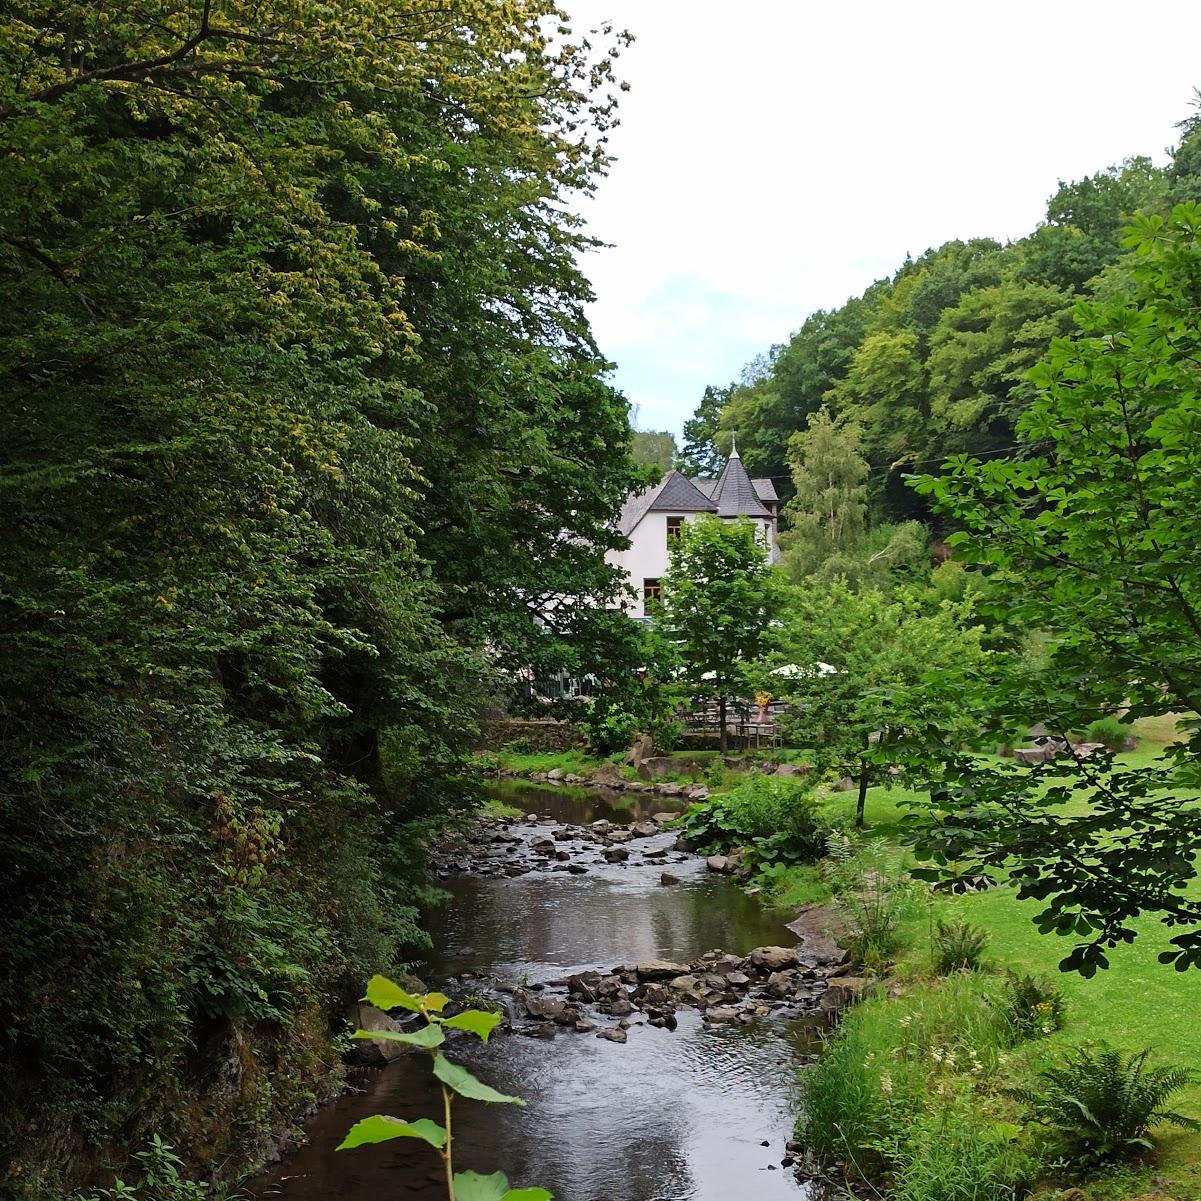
(540, 735)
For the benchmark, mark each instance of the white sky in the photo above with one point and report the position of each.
(775, 157)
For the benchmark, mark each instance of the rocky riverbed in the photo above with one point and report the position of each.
(657, 1030)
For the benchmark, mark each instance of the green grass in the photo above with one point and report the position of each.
(1138, 1002)
(576, 762)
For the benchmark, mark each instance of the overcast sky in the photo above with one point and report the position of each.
(775, 157)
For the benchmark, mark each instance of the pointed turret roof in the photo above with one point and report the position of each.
(734, 495)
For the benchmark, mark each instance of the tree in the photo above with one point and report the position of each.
(701, 455)
(1097, 523)
(856, 670)
(717, 604)
(302, 418)
(654, 448)
(827, 513)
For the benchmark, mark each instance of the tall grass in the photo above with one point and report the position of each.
(894, 1063)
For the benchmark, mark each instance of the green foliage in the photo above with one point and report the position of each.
(957, 946)
(826, 514)
(876, 709)
(718, 599)
(775, 819)
(893, 1064)
(303, 423)
(1109, 732)
(654, 448)
(455, 1081)
(1100, 1105)
(1032, 1006)
(958, 1154)
(876, 898)
(160, 1177)
(1093, 531)
(932, 360)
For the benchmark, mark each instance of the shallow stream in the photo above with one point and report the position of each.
(678, 1115)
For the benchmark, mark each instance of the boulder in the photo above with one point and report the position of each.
(723, 965)
(718, 863)
(685, 983)
(668, 878)
(615, 854)
(659, 767)
(661, 819)
(619, 835)
(374, 1051)
(781, 984)
(698, 792)
(844, 991)
(644, 829)
(615, 1034)
(608, 775)
(793, 769)
(660, 969)
(773, 959)
(642, 748)
(584, 984)
(818, 927)
(601, 826)
(722, 1013)
(555, 775)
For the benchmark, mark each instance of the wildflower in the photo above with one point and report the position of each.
(886, 1084)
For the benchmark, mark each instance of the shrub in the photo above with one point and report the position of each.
(957, 946)
(775, 819)
(1100, 1104)
(159, 1178)
(1031, 1006)
(875, 896)
(1110, 732)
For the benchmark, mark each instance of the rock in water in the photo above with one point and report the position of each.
(772, 959)
(660, 969)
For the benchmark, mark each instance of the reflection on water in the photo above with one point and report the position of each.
(665, 1117)
(581, 805)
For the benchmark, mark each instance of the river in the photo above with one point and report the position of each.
(701, 1113)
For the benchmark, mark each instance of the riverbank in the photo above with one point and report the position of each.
(1136, 1003)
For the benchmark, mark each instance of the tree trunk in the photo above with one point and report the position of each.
(864, 773)
(723, 740)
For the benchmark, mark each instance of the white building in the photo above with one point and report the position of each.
(650, 519)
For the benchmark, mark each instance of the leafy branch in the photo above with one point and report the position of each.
(456, 1081)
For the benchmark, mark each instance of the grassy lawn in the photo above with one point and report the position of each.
(1136, 1003)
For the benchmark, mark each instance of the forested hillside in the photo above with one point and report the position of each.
(933, 360)
(299, 406)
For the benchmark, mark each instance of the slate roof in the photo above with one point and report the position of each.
(674, 492)
(764, 488)
(734, 494)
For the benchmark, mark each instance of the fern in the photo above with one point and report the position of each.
(957, 946)
(1101, 1105)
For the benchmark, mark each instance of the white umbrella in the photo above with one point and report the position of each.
(791, 671)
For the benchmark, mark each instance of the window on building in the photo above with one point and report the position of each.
(674, 526)
(652, 592)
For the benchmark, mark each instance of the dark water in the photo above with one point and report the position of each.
(668, 1116)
